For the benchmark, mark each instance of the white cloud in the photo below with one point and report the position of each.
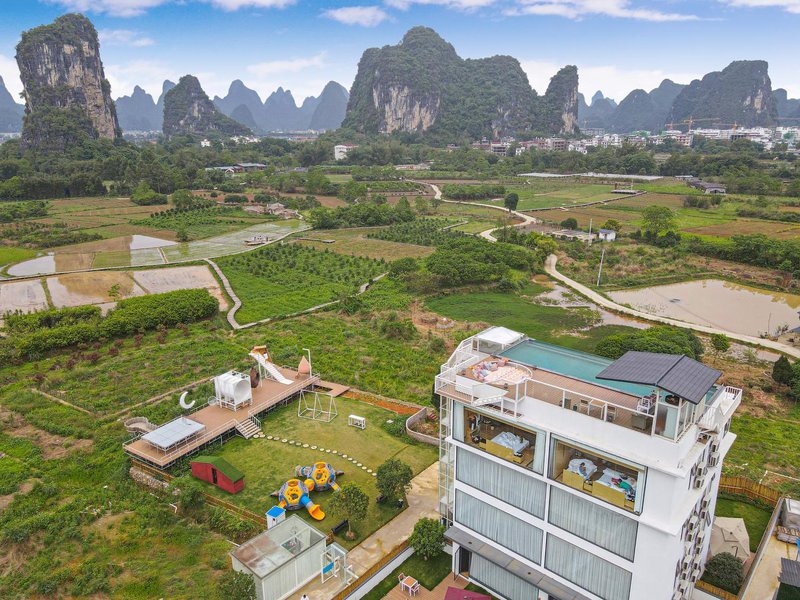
(576, 9)
(366, 16)
(115, 8)
(792, 6)
(124, 37)
(10, 73)
(147, 74)
(615, 82)
(289, 65)
(466, 5)
(133, 8)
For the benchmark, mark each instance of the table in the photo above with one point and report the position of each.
(409, 584)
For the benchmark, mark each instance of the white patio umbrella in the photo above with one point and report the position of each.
(730, 535)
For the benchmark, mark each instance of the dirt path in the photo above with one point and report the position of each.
(550, 269)
(526, 219)
(231, 316)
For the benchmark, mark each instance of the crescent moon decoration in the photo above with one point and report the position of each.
(183, 403)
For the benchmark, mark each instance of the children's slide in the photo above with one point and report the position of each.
(271, 368)
(315, 511)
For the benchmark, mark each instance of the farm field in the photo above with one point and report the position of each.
(99, 215)
(203, 222)
(269, 463)
(355, 242)
(282, 279)
(576, 328)
(538, 195)
(422, 232)
(145, 251)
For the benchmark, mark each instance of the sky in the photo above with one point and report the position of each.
(618, 45)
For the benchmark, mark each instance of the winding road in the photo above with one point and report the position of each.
(600, 300)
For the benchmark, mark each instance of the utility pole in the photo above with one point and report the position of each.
(600, 269)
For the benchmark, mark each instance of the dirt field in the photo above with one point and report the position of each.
(158, 281)
(773, 229)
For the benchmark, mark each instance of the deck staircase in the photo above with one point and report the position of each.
(248, 428)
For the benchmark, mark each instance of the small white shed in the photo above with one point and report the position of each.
(607, 235)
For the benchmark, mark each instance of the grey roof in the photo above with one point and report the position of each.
(790, 572)
(674, 373)
(546, 584)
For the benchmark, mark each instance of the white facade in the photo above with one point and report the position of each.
(556, 485)
(340, 151)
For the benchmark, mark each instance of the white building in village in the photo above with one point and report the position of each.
(569, 476)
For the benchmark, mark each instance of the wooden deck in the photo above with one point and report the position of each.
(221, 421)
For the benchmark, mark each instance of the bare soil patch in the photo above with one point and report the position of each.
(53, 446)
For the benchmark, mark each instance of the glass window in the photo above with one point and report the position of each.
(523, 492)
(500, 527)
(591, 572)
(593, 523)
(501, 581)
(498, 438)
(597, 474)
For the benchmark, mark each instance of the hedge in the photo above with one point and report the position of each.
(54, 317)
(142, 313)
(43, 340)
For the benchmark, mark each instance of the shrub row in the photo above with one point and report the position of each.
(39, 333)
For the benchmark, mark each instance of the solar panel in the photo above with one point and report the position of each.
(677, 374)
(173, 433)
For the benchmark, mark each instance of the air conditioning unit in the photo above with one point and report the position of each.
(683, 586)
(699, 482)
(695, 575)
(703, 514)
(690, 536)
(706, 502)
(693, 521)
(715, 446)
(713, 459)
(678, 595)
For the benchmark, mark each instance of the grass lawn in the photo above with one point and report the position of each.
(10, 255)
(355, 242)
(755, 517)
(429, 573)
(282, 279)
(552, 324)
(267, 464)
(553, 193)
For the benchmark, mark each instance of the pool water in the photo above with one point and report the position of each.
(571, 363)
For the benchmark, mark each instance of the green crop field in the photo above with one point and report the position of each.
(359, 242)
(421, 232)
(537, 195)
(552, 324)
(269, 463)
(282, 279)
(203, 222)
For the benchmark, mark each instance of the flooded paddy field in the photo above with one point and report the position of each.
(104, 288)
(718, 303)
(141, 250)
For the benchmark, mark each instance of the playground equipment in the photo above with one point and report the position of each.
(319, 477)
(293, 495)
(315, 410)
(232, 390)
(356, 421)
(266, 368)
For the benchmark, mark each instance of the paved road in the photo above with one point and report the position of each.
(550, 269)
(526, 219)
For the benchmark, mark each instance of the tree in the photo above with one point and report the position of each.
(782, 371)
(658, 219)
(190, 495)
(182, 198)
(720, 343)
(181, 234)
(394, 478)
(352, 503)
(234, 585)
(662, 338)
(612, 224)
(725, 571)
(511, 200)
(427, 538)
(421, 204)
(570, 223)
(436, 202)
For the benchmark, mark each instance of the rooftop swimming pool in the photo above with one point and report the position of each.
(571, 363)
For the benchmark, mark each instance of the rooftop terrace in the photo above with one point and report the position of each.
(502, 370)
